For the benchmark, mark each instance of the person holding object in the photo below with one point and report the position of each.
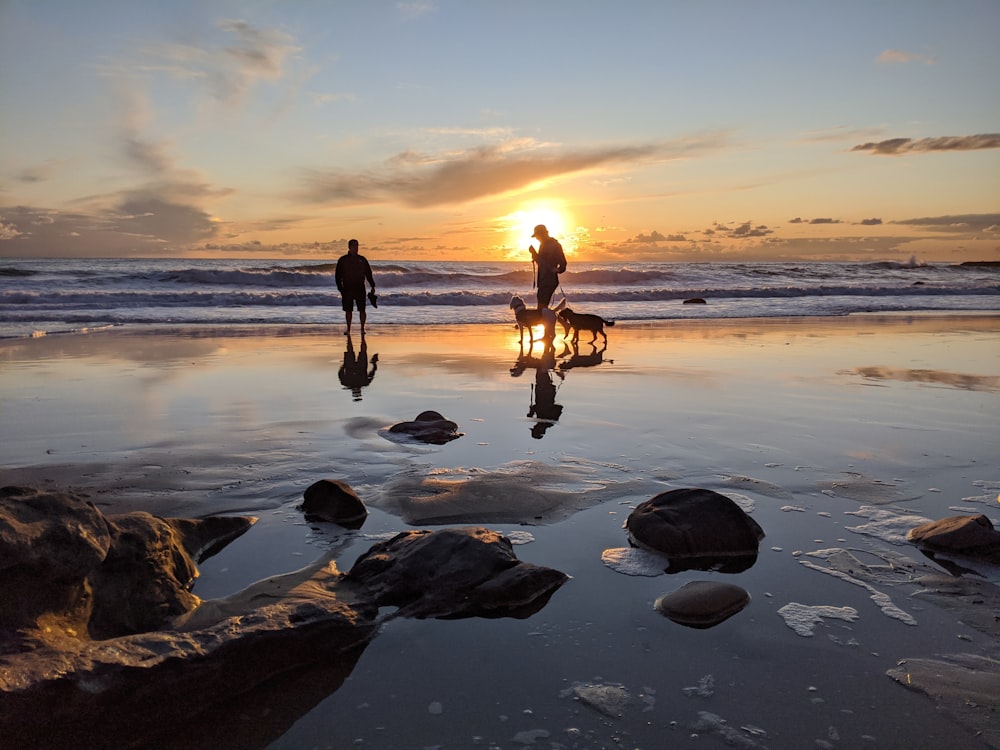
(352, 272)
(551, 262)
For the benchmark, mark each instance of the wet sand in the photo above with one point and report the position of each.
(828, 431)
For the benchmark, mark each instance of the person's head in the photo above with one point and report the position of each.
(352, 246)
(540, 232)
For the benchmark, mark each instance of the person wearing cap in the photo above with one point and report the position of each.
(352, 271)
(551, 262)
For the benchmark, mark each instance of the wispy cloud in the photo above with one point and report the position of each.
(420, 180)
(229, 62)
(901, 146)
(411, 10)
(956, 223)
(898, 56)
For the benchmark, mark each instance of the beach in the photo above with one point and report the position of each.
(832, 433)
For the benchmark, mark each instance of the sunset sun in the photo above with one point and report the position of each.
(520, 224)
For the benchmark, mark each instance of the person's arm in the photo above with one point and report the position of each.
(338, 276)
(368, 274)
(561, 261)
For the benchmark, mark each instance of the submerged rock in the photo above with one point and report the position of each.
(696, 529)
(335, 501)
(702, 604)
(428, 427)
(608, 699)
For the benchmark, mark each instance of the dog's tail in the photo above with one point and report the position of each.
(609, 322)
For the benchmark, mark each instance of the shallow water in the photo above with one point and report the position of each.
(782, 415)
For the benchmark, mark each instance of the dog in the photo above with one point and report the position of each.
(583, 322)
(528, 317)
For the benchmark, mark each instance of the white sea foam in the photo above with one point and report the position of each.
(885, 524)
(803, 618)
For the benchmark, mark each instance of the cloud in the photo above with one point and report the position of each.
(411, 10)
(870, 222)
(653, 236)
(897, 56)
(898, 146)
(41, 172)
(962, 223)
(824, 221)
(421, 180)
(230, 63)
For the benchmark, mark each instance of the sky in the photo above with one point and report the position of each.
(718, 130)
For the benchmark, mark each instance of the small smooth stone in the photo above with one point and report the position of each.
(702, 604)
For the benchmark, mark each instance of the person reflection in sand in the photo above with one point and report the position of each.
(544, 409)
(354, 373)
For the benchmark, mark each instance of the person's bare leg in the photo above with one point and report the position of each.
(349, 314)
(363, 317)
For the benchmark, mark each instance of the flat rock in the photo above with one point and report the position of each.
(964, 686)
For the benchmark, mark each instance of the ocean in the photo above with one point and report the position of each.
(48, 296)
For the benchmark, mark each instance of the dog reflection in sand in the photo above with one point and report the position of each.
(529, 317)
(583, 322)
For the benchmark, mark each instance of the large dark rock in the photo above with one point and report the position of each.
(273, 651)
(76, 573)
(428, 427)
(335, 501)
(452, 573)
(969, 536)
(696, 529)
(702, 604)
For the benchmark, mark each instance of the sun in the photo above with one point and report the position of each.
(519, 225)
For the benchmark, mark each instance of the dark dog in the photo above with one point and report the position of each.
(528, 317)
(583, 322)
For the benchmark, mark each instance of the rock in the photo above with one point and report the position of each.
(78, 574)
(696, 529)
(609, 699)
(460, 572)
(970, 536)
(428, 427)
(695, 301)
(702, 604)
(965, 687)
(272, 651)
(334, 501)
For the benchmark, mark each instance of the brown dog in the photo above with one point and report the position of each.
(583, 322)
(527, 317)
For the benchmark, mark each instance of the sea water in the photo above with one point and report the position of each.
(46, 296)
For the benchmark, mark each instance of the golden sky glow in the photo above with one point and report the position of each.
(694, 131)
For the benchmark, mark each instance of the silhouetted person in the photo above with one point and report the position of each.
(352, 272)
(354, 373)
(551, 262)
